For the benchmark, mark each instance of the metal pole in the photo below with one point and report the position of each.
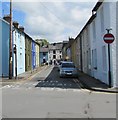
(10, 43)
(109, 61)
(109, 65)
(16, 62)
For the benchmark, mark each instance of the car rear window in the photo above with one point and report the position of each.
(68, 65)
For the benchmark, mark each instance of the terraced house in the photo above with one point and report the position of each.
(28, 51)
(25, 51)
(19, 55)
(4, 52)
(93, 51)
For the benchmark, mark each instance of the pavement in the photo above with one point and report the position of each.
(93, 84)
(22, 77)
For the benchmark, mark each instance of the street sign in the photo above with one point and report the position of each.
(108, 38)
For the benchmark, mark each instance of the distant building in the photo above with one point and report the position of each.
(44, 55)
(55, 51)
(64, 52)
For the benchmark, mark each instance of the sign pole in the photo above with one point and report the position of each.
(109, 65)
(109, 72)
(109, 38)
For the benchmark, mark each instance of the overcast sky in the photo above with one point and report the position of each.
(54, 21)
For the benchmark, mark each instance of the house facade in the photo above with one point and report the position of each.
(28, 51)
(64, 52)
(19, 56)
(117, 43)
(99, 49)
(44, 55)
(93, 50)
(4, 52)
(55, 51)
(33, 54)
(37, 54)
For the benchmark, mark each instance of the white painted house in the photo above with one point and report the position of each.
(93, 50)
(55, 51)
(105, 19)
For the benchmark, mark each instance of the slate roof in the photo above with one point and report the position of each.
(55, 46)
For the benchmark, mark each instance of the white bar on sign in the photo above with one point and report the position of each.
(109, 38)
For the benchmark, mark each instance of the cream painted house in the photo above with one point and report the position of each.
(37, 55)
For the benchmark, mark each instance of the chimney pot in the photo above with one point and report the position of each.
(7, 18)
(15, 24)
(21, 28)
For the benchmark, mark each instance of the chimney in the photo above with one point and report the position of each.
(7, 18)
(21, 28)
(15, 24)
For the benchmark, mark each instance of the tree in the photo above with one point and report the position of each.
(42, 42)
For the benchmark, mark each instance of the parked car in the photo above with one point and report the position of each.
(68, 69)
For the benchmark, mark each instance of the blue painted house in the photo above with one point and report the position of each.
(33, 54)
(4, 46)
(19, 41)
(43, 55)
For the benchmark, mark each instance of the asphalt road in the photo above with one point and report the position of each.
(54, 81)
(45, 95)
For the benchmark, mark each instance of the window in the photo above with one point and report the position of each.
(21, 61)
(54, 56)
(94, 56)
(69, 65)
(44, 54)
(54, 52)
(94, 31)
(104, 59)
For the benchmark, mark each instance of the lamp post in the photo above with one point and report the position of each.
(10, 43)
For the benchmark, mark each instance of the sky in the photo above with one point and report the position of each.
(54, 21)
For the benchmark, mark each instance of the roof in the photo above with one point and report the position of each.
(89, 21)
(4, 20)
(43, 49)
(55, 46)
(99, 3)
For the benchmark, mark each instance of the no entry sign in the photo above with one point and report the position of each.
(108, 38)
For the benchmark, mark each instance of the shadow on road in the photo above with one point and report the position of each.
(54, 81)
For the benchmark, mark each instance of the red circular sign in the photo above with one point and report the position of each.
(108, 38)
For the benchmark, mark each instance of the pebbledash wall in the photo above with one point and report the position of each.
(94, 51)
(4, 54)
(105, 19)
(117, 44)
(19, 41)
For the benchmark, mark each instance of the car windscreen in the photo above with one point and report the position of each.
(69, 65)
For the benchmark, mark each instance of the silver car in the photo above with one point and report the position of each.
(68, 69)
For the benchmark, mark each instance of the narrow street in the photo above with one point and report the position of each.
(45, 95)
(58, 59)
